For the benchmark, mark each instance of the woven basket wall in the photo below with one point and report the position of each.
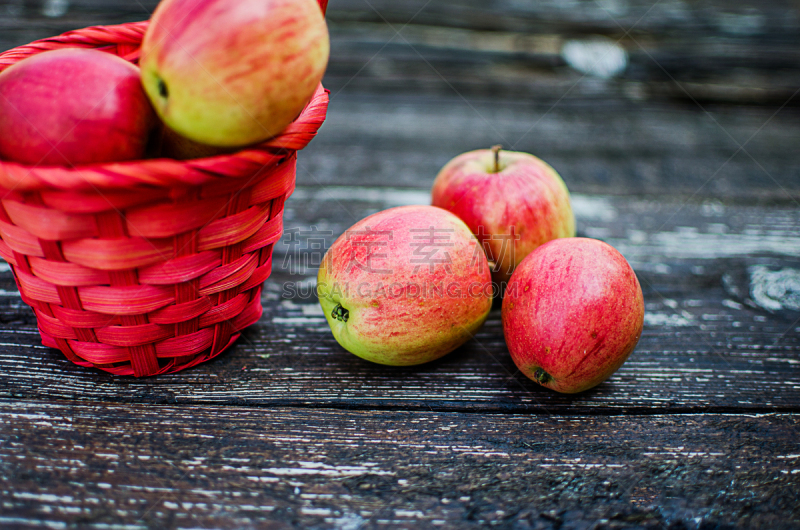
(152, 266)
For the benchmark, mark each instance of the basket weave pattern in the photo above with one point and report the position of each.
(151, 266)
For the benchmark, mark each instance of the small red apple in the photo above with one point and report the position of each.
(513, 202)
(405, 286)
(572, 314)
(73, 106)
(232, 73)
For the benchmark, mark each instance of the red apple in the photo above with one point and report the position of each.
(513, 202)
(572, 314)
(405, 286)
(73, 106)
(232, 73)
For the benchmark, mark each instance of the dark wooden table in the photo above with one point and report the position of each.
(681, 149)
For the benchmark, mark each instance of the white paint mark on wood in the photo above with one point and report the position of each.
(306, 309)
(294, 321)
(349, 521)
(598, 56)
(263, 479)
(749, 22)
(637, 236)
(732, 304)
(55, 8)
(666, 320)
(31, 522)
(43, 497)
(34, 416)
(409, 513)
(778, 359)
(592, 208)
(388, 197)
(706, 246)
(597, 232)
(317, 468)
(775, 290)
(104, 526)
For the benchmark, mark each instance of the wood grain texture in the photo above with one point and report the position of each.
(685, 161)
(724, 52)
(644, 149)
(92, 464)
(707, 67)
(707, 345)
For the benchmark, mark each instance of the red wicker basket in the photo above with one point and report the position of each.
(150, 266)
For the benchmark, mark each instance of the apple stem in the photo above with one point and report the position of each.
(496, 150)
(542, 377)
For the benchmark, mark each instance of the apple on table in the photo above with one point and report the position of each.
(405, 286)
(572, 314)
(512, 201)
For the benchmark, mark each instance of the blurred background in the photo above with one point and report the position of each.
(696, 99)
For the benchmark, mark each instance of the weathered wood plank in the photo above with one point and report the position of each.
(23, 21)
(713, 338)
(745, 153)
(708, 67)
(774, 19)
(67, 464)
(740, 17)
(745, 52)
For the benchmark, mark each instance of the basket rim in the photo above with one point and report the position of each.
(158, 172)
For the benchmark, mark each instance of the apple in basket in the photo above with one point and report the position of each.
(405, 286)
(512, 201)
(73, 106)
(572, 313)
(230, 74)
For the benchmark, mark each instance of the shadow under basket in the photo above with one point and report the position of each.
(150, 266)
